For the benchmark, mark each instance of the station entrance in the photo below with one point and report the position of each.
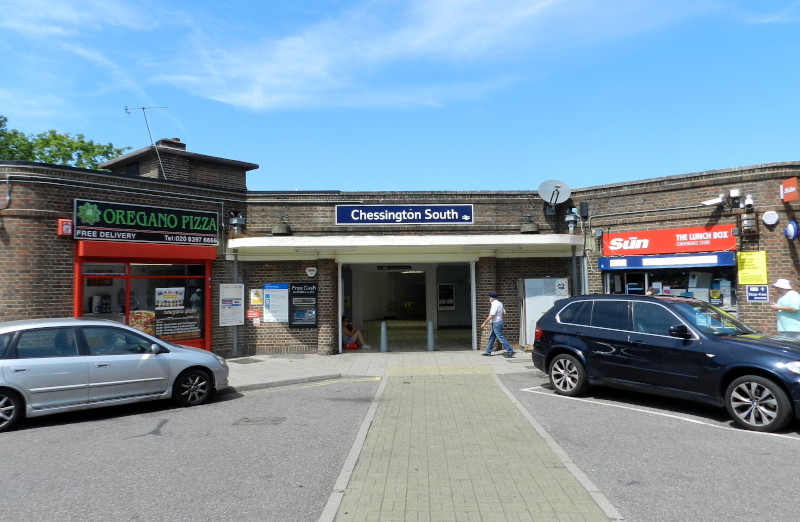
(408, 299)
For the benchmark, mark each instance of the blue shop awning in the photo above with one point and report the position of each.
(667, 261)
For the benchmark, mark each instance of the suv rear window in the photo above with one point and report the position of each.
(611, 314)
(579, 312)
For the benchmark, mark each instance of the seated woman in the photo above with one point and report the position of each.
(351, 335)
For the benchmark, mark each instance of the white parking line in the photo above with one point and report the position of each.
(543, 391)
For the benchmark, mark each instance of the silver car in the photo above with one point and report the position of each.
(59, 365)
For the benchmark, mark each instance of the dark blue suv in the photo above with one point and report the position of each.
(670, 346)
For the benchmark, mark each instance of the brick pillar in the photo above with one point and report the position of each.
(485, 281)
(327, 307)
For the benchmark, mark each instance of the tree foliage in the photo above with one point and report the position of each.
(54, 148)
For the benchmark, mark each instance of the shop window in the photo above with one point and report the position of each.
(166, 270)
(164, 300)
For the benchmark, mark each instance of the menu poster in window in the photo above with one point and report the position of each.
(276, 302)
(303, 305)
(178, 324)
(231, 304)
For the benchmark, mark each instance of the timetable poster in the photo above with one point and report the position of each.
(276, 303)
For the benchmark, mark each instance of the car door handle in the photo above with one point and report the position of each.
(102, 365)
(20, 370)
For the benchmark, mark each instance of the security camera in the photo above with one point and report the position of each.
(716, 201)
(748, 201)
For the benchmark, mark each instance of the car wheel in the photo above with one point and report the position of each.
(11, 409)
(192, 387)
(758, 404)
(567, 375)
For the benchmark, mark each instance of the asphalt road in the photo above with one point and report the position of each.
(663, 460)
(271, 454)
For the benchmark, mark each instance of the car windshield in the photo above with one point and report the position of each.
(710, 319)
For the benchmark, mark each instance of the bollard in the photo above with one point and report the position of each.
(384, 342)
(430, 336)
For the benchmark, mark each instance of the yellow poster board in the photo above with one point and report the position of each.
(752, 268)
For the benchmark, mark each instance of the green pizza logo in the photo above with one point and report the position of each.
(89, 214)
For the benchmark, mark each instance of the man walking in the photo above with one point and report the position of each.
(496, 313)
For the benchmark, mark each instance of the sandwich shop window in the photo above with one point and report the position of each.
(162, 299)
(708, 277)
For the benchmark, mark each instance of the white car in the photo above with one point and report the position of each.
(58, 365)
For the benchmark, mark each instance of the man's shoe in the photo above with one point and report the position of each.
(486, 354)
(509, 354)
(366, 347)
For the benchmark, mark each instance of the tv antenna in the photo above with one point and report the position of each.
(147, 123)
(554, 192)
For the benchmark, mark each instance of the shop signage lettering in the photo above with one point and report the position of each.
(670, 241)
(788, 190)
(104, 221)
(404, 214)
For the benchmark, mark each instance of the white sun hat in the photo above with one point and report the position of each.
(782, 283)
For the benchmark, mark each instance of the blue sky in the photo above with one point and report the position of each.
(385, 95)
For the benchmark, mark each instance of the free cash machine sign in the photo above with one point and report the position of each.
(404, 215)
(104, 221)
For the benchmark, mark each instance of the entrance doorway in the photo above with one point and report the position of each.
(406, 298)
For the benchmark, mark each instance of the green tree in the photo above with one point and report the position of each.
(54, 148)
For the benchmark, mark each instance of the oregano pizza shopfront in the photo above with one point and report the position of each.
(149, 267)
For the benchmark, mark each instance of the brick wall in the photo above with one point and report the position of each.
(279, 338)
(502, 276)
(617, 208)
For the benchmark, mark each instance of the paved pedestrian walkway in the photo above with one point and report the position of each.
(444, 440)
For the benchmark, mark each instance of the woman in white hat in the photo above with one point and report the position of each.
(787, 309)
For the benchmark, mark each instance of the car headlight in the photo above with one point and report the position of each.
(793, 366)
(220, 360)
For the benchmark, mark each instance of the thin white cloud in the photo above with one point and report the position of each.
(48, 18)
(341, 60)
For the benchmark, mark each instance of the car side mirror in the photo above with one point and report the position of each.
(680, 331)
(156, 349)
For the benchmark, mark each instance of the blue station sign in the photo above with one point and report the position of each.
(404, 215)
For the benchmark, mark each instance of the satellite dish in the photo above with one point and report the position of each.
(554, 192)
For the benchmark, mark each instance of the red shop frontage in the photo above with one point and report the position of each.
(150, 279)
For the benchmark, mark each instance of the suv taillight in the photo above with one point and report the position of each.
(537, 333)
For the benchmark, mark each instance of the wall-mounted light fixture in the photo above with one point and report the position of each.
(237, 222)
(597, 232)
(571, 219)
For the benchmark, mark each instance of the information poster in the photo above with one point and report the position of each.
(231, 305)
(752, 268)
(303, 305)
(276, 303)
